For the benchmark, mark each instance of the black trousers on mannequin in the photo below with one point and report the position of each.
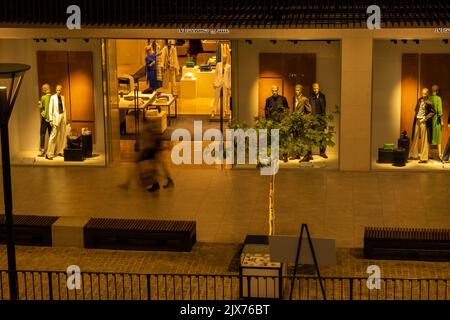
(323, 149)
(446, 154)
(45, 127)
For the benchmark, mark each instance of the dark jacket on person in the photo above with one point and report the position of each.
(276, 108)
(318, 104)
(430, 111)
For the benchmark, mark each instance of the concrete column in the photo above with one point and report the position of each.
(356, 103)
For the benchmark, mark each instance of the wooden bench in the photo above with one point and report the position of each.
(29, 230)
(407, 244)
(130, 234)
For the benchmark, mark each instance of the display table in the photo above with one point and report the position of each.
(127, 101)
(167, 104)
(193, 70)
(158, 122)
(205, 84)
(126, 105)
(188, 88)
(260, 278)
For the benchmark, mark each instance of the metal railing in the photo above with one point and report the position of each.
(52, 285)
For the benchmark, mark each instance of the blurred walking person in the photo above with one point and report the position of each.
(152, 166)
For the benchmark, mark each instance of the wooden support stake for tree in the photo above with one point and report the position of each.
(272, 205)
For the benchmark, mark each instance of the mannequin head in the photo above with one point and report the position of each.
(274, 91)
(316, 88)
(435, 89)
(46, 88)
(171, 43)
(425, 92)
(298, 89)
(59, 89)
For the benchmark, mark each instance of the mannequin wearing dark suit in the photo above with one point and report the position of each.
(276, 106)
(319, 107)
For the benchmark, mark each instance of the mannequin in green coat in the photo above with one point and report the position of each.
(438, 122)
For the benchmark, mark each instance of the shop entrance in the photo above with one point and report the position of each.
(168, 84)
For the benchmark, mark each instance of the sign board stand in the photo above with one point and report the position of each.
(316, 265)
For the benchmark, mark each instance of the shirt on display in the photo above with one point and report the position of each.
(421, 113)
(60, 105)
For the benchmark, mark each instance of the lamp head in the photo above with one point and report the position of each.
(11, 71)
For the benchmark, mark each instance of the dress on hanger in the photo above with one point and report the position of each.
(222, 83)
(170, 65)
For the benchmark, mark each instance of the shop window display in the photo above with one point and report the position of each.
(63, 99)
(306, 77)
(70, 111)
(178, 81)
(410, 128)
(298, 92)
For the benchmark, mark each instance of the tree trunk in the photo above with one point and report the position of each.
(272, 206)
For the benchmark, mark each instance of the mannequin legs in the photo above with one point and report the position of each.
(422, 133)
(226, 100)
(52, 143)
(57, 141)
(45, 127)
(446, 155)
(61, 139)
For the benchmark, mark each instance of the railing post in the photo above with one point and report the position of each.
(351, 289)
(50, 286)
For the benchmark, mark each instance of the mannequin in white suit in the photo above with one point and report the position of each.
(57, 115)
(222, 82)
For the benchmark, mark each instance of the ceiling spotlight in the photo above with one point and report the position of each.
(249, 41)
(404, 41)
(394, 41)
(445, 41)
(273, 41)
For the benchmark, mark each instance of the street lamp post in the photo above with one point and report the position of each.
(11, 72)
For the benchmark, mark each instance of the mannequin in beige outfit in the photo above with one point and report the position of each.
(422, 127)
(222, 82)
(57, 116)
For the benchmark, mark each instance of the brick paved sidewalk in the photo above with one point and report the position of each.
(207, 259)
